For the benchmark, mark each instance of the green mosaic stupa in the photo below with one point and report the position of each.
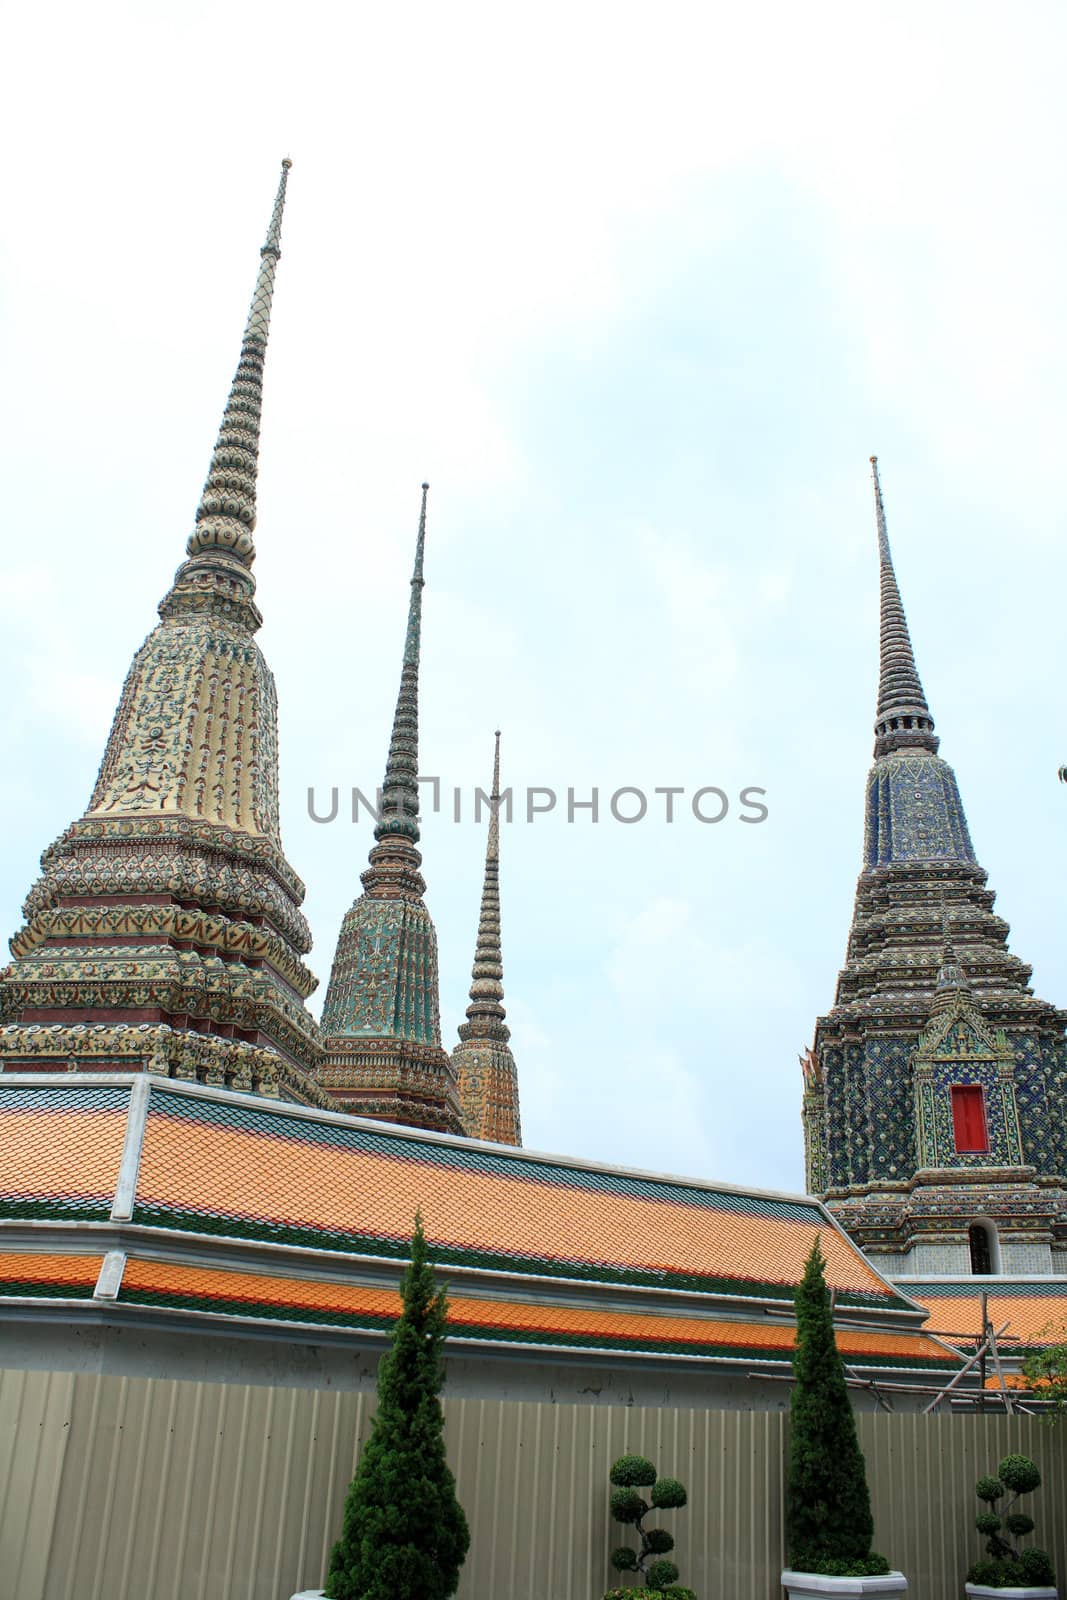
(381, 1022)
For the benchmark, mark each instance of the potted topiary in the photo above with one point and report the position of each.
(1007, 1569)
(628, 1475)
(829, 1522)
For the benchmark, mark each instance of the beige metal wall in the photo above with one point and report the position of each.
(143, 1489)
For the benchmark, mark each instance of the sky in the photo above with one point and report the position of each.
(638, 290)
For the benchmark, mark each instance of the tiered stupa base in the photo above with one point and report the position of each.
(121, 967)
(392, 1080)
(488, 1087)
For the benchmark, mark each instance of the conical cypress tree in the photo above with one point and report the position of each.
(404, 1535)
(829, 1518)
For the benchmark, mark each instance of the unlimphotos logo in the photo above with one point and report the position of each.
(627, 804)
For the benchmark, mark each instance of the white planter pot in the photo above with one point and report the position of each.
(982, 1590)
(309, 1594)
(814, 1586)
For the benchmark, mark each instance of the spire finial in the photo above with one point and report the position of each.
(411, 642)
(879, 511)
(951, 979)
(493, 846)
(226, 515)
(400, 787)
(487, 978)
(903, 720)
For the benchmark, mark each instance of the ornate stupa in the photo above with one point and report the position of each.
(381, 1022)
(484, 1065)
(935, 1102)
(165, 932)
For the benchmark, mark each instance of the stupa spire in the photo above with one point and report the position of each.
(381, 1022)
(929, 1092)
(951, 978)
(484, 1065)
(400, 787)
(177, 912)
(226, 515)
(487, 978)
(903, 719)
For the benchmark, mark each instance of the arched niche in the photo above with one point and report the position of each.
(984, 1244)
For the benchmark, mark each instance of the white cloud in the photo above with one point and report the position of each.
(638, 296)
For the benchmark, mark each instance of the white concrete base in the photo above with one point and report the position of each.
(982, 1590)
(814, 1586)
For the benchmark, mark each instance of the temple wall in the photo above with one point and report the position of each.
(341, 1364)
(953, 1260)
(1022, 1260)
(128, 1487)
(1016, 1259)
(890, 1263)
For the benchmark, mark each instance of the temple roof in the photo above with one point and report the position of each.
(1035, 1309)
(203, 1203)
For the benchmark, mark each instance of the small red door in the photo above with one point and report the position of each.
(968, 1118)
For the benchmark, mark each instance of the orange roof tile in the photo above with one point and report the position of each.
(39, 1272)
(249, 1171)
(288, 1176)
(356, 1305)
(62, 1153)
(1036, 1314)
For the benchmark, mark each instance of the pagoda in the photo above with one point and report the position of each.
(165, 933)
(381, 1021)
(484, 1065)
(935, 1092)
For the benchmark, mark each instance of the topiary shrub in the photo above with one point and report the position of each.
(662, 1573)
(633, 1472)
(830, 1526)
(872, 1566)
(1006, 1566)
(404, 1535)
(627, 1505)
(628, 1475)
(1038, 1568)
(673, 1591)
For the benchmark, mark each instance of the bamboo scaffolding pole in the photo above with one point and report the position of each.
(855, 1383)
(974, 1361)
(1008, 1406)
(868, 1383)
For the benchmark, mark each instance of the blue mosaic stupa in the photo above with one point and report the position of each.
(935, 1100)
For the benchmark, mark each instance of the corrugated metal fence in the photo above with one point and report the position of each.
(144, 1489)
